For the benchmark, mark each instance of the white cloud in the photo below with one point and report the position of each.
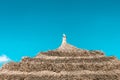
(4, 59)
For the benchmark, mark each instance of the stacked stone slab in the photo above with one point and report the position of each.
(53, 65)
(65, 63)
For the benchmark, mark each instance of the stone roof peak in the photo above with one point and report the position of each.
(66, 47)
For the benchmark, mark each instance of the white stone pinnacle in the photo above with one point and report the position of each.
(64, 39)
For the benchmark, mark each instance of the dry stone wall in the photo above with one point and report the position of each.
(88, 65)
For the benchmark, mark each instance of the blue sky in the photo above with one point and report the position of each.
(30, 26)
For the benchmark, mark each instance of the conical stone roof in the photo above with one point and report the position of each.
(64, 63)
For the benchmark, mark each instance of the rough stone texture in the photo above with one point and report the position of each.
(65, 63)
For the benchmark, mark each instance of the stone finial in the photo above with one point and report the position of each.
(64, 39)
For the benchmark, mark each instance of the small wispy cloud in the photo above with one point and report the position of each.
(4, 59)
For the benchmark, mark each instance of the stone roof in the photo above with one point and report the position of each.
(65, 63)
